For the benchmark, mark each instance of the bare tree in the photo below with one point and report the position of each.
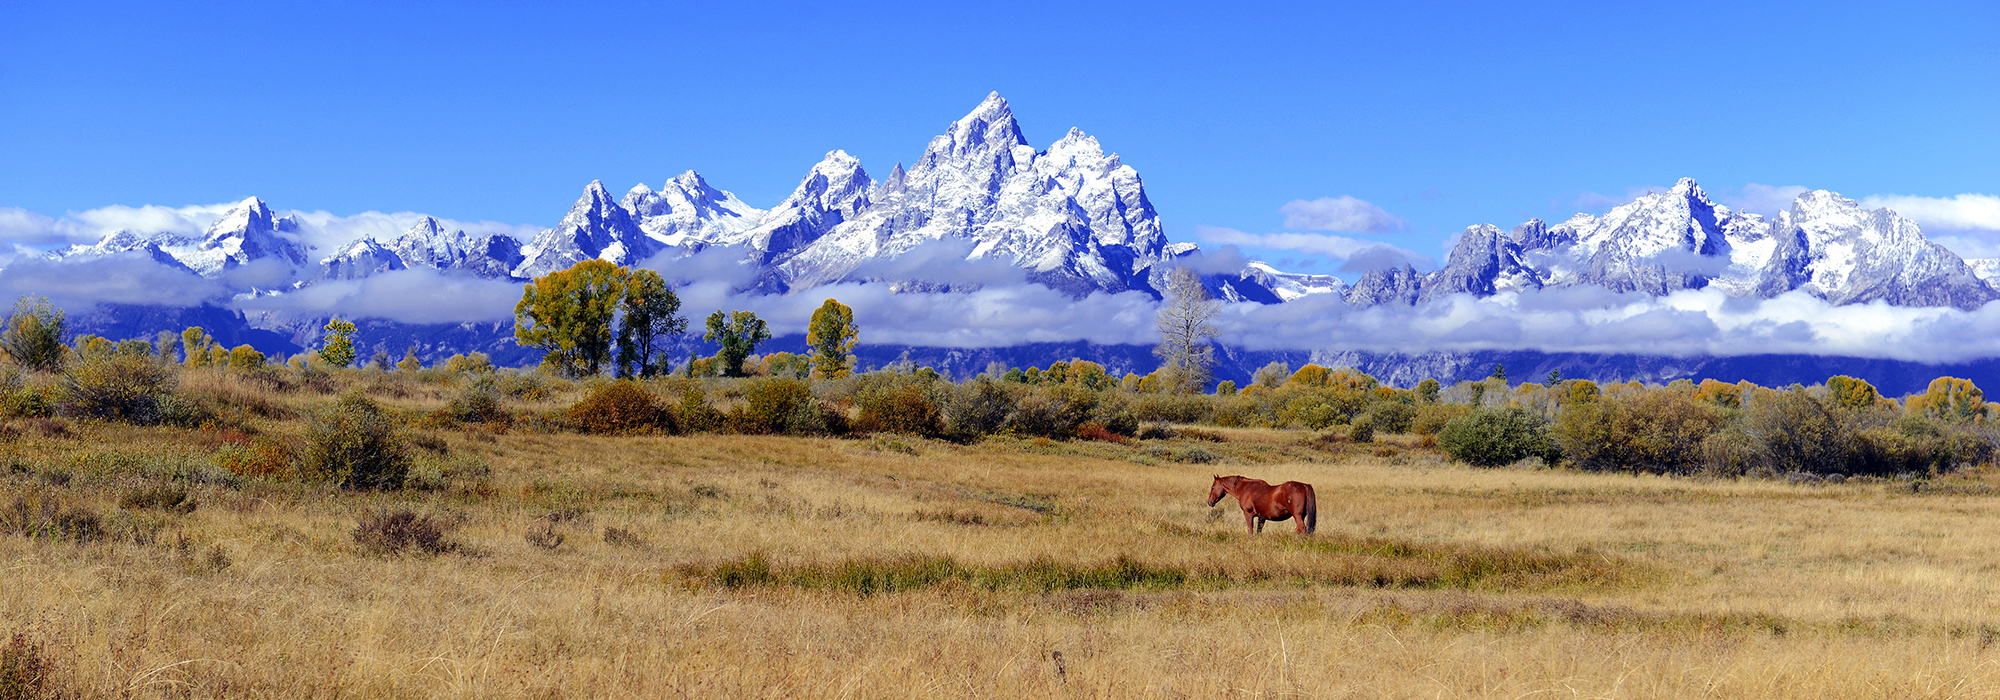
(1183, 321)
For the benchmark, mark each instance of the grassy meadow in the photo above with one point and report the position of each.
(545, 563)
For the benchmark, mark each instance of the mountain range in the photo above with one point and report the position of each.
(1076, 219)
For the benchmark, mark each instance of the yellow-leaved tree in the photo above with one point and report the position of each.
(832, 336)
(568, 315)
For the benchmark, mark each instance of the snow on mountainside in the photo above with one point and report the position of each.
(246, 234)
(1826, 245)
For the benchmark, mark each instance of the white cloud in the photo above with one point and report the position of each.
(1592, 320)
(124, 278)
(1965, 212)
(1343, 213)
(408, 296)
(1340, 247)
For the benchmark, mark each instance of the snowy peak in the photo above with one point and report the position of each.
(597, 227)
(989, 126)
(1825, 245)
(687, 210)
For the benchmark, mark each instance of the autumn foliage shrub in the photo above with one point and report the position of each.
(907, 409)
(356, 445)
(622, 407)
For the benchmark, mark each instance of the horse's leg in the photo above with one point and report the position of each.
(1260, 525)
(1250, 521)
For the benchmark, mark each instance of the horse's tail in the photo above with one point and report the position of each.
(1309, 515)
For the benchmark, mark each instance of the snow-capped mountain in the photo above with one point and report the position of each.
(687, 208)
(246, 234)
(1826, 245)
(1074, 217)
(597, 227)
(426, 245)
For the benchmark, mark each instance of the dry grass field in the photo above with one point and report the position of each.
(735, 566)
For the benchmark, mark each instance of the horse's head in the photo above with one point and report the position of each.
(1216, 491)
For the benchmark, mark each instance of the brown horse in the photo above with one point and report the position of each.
(1263, 502)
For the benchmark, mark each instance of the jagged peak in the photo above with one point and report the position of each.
(991, 124)
(689, 180)
(639, 190)
(426, 227)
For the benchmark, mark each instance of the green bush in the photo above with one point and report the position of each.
(1490, 437)
(1393, 417)
(116, 387)
(355, 445)
(622, 407)
(1362, 429)
(477, 402)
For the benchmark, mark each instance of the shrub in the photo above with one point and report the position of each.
(907, 409)
(1114, 413)
(777, 406)
(695, 413)
(1797, 432)
(116, 387)
(1319, 408)
(1052, 411)
(1362, 429)
(1094, 430)
(1431, 418)
(33, 337)
(1491, 437)
(976, 408)
(1393, 417)
(1658, 430)
(1173, 408)
(392, 532)
(477, 402)
(621, 407)
(355, 445)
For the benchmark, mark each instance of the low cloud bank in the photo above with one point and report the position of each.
(405, 296)
(1592, 320)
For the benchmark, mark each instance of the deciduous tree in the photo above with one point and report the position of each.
(1184, 322)
(652, 314)
(832, 336)
(338, 350)
(569, 313)
(738, 333)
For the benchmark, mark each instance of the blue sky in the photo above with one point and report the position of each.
(1440, 115)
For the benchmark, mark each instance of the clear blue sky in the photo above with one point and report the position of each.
(1445, 115)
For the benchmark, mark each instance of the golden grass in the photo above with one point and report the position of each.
(898, 567)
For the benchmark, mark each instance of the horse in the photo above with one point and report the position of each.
(1263, 502)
